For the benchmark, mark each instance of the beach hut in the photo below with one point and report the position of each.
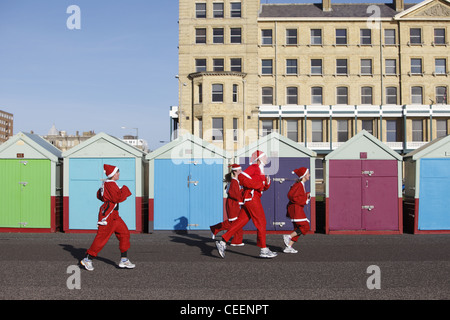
(83, 175)
(186, 188)
(30, 184)
(363, 188)
(427, 185)
(284, 156)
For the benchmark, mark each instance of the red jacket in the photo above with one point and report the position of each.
(111, 195)
(234, 200)
(253, 181)
(298, 198)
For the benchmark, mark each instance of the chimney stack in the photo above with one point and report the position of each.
(399, 5)
(326, 5)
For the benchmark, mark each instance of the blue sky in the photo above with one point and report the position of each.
(117, 71)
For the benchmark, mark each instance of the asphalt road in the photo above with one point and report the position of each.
(171, 266)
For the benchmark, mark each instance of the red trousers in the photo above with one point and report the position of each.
(115, 225)
(250, 210)
(303, 226)
(226, 225)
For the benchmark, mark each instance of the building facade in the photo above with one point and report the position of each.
(6, 125)
(316, 73)
(64, 141)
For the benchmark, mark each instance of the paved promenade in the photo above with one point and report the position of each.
(171, 266)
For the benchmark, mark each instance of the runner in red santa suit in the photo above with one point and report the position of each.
(254, 183)
(298, 199)
(233, 206)
(109, 221)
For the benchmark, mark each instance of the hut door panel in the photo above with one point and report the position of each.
(188, 195)
(433, 195)
(379, 203)
(380, 194)
(10, 194)
(345, 195)
(205, 193)
(171, 204)
(85, 178)
(36, 199)
(282, 181)
(345, 203)
(25, 195)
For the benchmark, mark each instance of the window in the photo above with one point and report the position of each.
(200, 35)
(390, 67)
(267, 95)
(389, 37)
(417, 130)
(235, 35)
(218, 10)
(266, 37)
(441, 128)
(236, 64)
(291, 95)
(391, 130)
(342, 95)
(316, 36)
(200, 10)
(365, 37)
(218, 64)
(266, 66)
(440, 66)
(367, 125)
(366, 95)
(366, 66)
(217, 129)
(342, 130)
(217, 92)
(439, 36)
(235, 93)
(319, 169)
(316, 66)
(291, 36)
(341, 67)
(341, 36)
(235, 129)
(291, 66)
(415, 36)
(267, 127)
(292, 129)
(441, 95)
(236, 11)
(200, 65)
(200, 93)
(218, 35)
(316, 95)
(416, 66)
(317, 130)
(391, 95)
(416, 95)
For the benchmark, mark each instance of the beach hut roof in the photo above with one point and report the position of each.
(36, 142)
(363, 142)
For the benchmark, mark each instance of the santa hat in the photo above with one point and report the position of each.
(256, 155)
(110, 171)
(235, 167)
(300, 172)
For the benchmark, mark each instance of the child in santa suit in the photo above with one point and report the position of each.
(233, 206)
(109, 221)
(254, 183)
(298, 198)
